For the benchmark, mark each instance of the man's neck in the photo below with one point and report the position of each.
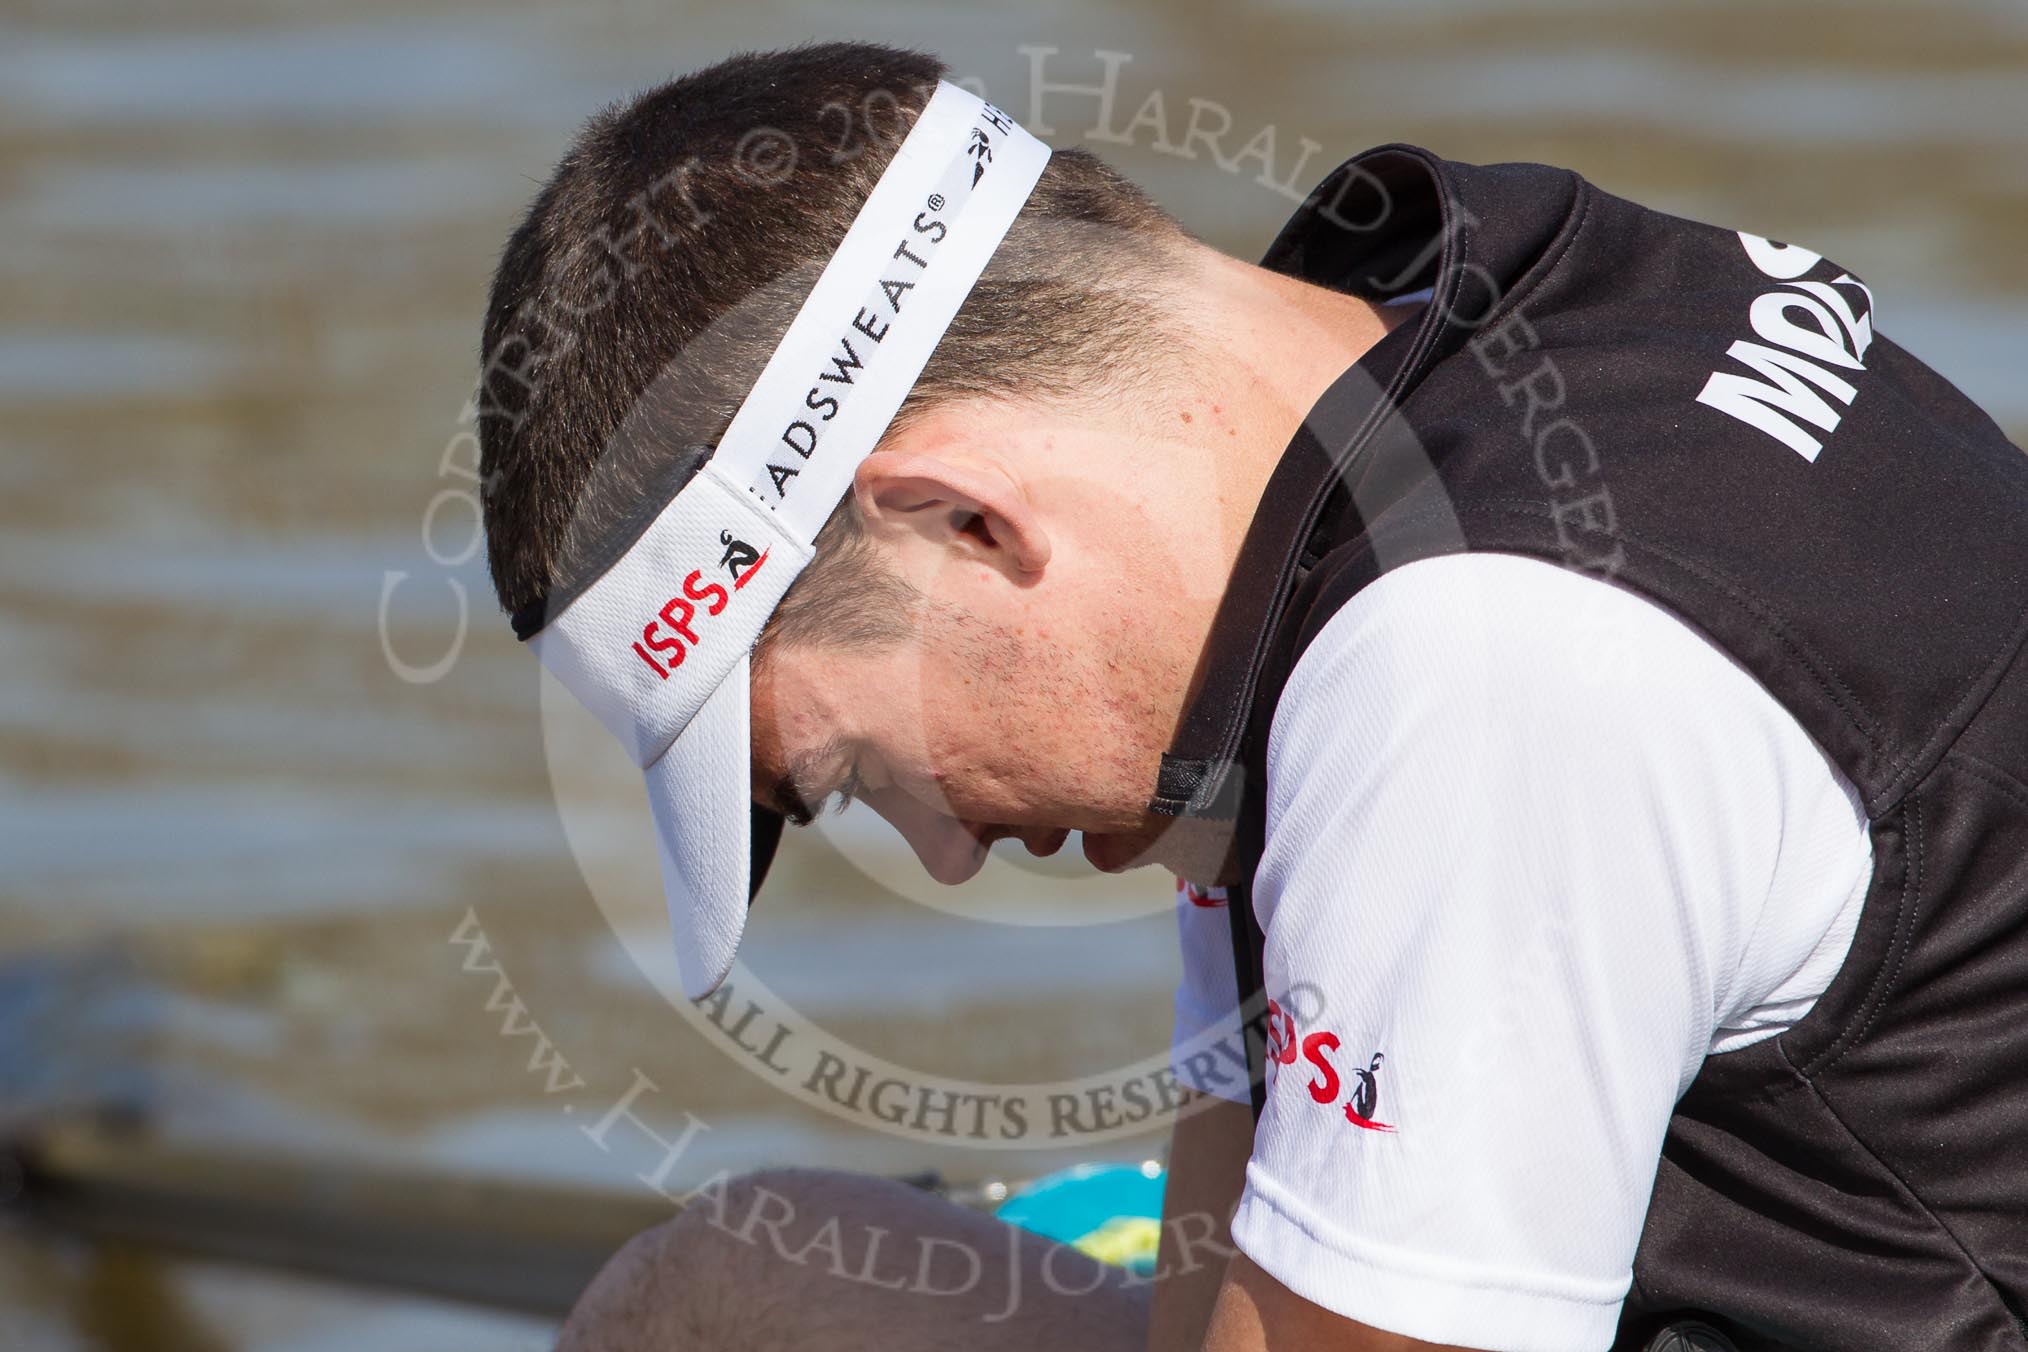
(1271, 346)
(1266, 348)
(1256, 352)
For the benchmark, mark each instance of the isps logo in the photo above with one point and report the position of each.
(671, 632)
(1320, 1050)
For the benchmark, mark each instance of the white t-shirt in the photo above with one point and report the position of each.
(1535, 848)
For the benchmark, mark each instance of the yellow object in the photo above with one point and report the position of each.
(1123, 1241)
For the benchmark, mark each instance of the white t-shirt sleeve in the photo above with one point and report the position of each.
(1534, 846)
(1206, 1049)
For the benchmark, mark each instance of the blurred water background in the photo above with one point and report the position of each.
(243, 253)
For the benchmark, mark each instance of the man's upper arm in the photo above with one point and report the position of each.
(1256, 1313)
(1509, 877)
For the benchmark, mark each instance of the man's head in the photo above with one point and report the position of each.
(642, 295)
(1002, 617)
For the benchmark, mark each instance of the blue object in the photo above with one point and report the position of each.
(1073, 1204)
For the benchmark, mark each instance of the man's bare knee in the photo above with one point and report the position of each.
(640, 1299)
(705, 1279)
(815, 1259)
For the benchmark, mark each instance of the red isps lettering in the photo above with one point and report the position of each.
(1281, 1034)
(677, 613)
(713, 595)
(1325, 1088)
(1284, 1047)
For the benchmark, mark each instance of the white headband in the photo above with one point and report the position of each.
(646, 644)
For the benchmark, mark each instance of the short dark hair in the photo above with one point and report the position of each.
(661, 263)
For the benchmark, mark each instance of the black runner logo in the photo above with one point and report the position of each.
(981, 151)
(1366, 1097)
(739, 559)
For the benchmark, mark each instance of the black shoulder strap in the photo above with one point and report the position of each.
(1248, 958)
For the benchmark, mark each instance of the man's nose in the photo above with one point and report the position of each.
(948, 848)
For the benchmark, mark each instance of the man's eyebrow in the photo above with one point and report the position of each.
(803, 769)
(788, 803)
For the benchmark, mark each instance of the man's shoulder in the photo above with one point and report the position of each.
(1491, 660)
(1488, 628)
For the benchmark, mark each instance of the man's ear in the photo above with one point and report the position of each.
(960, 505)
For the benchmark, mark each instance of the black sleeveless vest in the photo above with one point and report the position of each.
(1709, 419)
